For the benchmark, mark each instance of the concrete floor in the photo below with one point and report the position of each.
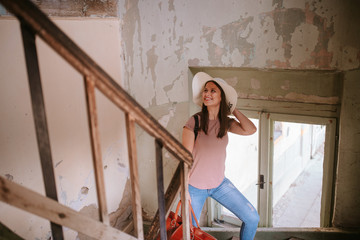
(299, 208)
(300, 205)
(296, 214)
(287, 233)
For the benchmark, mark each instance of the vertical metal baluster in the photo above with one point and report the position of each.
(160, 189)
(172, 192)
(38, 107)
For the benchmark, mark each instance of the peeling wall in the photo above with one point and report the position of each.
(78, 8)
(312, 40)
(65, 104)
(162, 38)
(302, 86)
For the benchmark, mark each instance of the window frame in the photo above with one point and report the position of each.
(266, 119)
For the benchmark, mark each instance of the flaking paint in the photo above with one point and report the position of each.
(293, 35)
(297, 35)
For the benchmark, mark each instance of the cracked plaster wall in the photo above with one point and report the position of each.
(77, 8)
(162, 39)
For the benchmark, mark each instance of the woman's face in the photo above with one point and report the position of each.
(211, 95)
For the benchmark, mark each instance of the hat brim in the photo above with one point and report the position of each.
(198, 84)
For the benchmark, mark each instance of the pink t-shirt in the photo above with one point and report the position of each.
(209, 156)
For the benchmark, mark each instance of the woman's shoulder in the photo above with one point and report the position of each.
(198, 114)
(191, 121)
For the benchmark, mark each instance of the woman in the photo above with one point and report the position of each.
(206, 177)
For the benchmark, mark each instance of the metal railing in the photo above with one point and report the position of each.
(36, 23)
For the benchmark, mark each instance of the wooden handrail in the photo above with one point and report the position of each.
(33, 20)
(33, 202)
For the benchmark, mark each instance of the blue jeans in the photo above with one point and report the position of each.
(231, 198)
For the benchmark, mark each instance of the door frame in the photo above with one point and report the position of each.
(265, 168)
(266, 150)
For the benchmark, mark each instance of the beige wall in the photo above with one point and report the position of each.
(67, 121)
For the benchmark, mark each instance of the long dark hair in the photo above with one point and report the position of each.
(224, 111)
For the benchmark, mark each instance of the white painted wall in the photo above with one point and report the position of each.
(67, 122)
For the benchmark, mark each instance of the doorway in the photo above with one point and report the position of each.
(298, 156)
(285, 170)
(241, 167)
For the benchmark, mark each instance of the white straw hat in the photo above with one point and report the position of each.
(198, 84)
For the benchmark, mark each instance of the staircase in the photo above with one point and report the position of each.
(34, 24)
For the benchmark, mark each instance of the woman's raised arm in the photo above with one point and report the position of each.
(243, 126)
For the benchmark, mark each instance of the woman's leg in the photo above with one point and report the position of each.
(231, 198)
(198, 197)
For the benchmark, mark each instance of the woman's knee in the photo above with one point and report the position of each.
(254, 219)
(251, 219)
(253, 216)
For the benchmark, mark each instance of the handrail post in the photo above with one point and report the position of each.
(96, 149)
(185, 201)
(39, 114)
(134, 175)
(160, 187)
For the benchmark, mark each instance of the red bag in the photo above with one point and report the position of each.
(174, 227)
